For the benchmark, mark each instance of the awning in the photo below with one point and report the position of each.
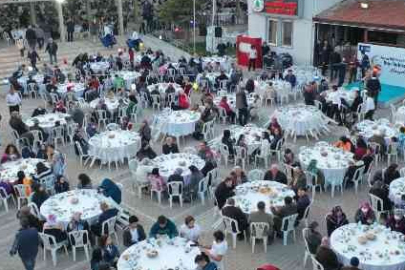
(380, 14)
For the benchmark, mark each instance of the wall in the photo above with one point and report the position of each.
(303, 32)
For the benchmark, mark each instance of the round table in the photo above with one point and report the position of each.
(232, 100)
(173, 253)
(331, 160)
(39, 78)
(163, 86)
(78, 88)
(128, 76)
(167, 164)
(48, 121)
(224, 62)
(9, 170)
(114, 146)
(369, 128)
(177, 123)
(385, 252)
(272, 193)
(349, 96)
(112, 104)
(300, 119)
(99, 67)
(397, 189)
(85, 201)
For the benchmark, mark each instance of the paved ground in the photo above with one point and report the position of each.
(285, 257)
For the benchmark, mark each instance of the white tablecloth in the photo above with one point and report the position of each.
(114, 145)
(39, 78)
(299, 118)
(63, 205)
(9, 170)
(167, 164)
(399, 116)
(178, 123)
(99, 67)
(78, 88)
(112, 104)
(48, 120)
(163, 86)
(397, 189)
(368, 128)
(224, 62)
(232, 100)
(305, 74)
(270, 192)
(342, 94)
(386, 252)
(128, 76)
(172, 254)
(331, 160)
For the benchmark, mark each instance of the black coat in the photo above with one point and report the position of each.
(236, 214)
(167, 149)
(279, 177)
(222, 193)
(127, 237)
(327, 258)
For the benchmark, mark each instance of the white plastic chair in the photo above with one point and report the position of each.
(402, 172)
(258, 231)
(312, 182)
(224, 150)
(264, 154)
(112, 127)
(230, 223)
(80, 239)
(306, 214)
(307, 252)
(38, 138)
(83, 158)
(377, 204)
(255, 175)
(241, 154)
(392, 152)
(109, 226)
(5, 197)
(49, 242)
(58, 135)
(48, 183)
(156, 102)
(21, 195)
(277, 151)
(175, 189)
(287, 226)
(34, 210)
(203, 189)
(316, 265)
(357, 177)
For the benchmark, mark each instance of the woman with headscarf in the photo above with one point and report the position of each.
(145, 131)
(54, 228)
(365, 215)
(61, 185)
(396, 222)
(110, 189)
(326, 256)
(335, 219)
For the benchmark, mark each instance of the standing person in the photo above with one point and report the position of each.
(365, 64)
(52, 49)
(40, 36)
(373, 87)
(252, 58)
(33, 57)
(325, 55)
(93, 30)
(13, 100)
(70, 28)
(31, 37)
(242, 106)
(20, 44)
(26, 244)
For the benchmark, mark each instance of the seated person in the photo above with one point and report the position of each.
(396, 221)
(224, 191)
(326, 256)
(189, 230)
(110, 251)
(303, 202)
(183, 101)
(145, 152)
(274, 174)
(229, 112)
(10, 154)
(170, 147)
(40, 110)
(381, 191)
(361, 149)
(365, 215)
(133, 233)
(313, 237)
(42, 172)
(203, 262)
(39, 196)
(335, 219)
(163, 226)
(262, 216)
(231, 211)
(391, 173)
(229, 142)
(156, 180)
(110, 189)
(106, 214)
(273, 125)
(78, 224)
(222, 77)
(288, 209)
(345, 144)
(54, 228)
(61, 185)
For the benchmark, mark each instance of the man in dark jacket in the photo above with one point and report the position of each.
(70, 28)
(231, 211)
(134, 233)
(26, 244)
(354, 264)
(274, 174)
(33, 57)
(290, 77)
(242, 106)
(31, 37)
(52, 49)
(224, 191)
(326, 256)
(170, 147)
(106, 214)
(373, 87)
(281, 212)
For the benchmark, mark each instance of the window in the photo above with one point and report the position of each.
(272, 34)
(287, 33)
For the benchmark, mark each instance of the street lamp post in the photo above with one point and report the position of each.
(194, 26)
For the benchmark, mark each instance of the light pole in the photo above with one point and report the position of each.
(194, 26)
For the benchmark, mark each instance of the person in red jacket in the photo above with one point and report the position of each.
(229, 112)
(183, 101)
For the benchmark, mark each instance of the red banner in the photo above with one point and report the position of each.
(281, 7)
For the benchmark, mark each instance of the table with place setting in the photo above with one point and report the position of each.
(167, 164)
(341, 93)
(48, 121)
(177, 123)
(272, 193)
(77, 88)
(397, 189)
(9, 170)
(231, 98)
(332, 161)
(128, 76)
(368, 128)
(85, 201)
(163, 86)
(111, 103)
(159, 254)
(39, 78)
(376, 246)
(224, 62)
(114, 146)
(300, 119)
(99, 67)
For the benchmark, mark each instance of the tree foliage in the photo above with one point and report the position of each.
(179, 11)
